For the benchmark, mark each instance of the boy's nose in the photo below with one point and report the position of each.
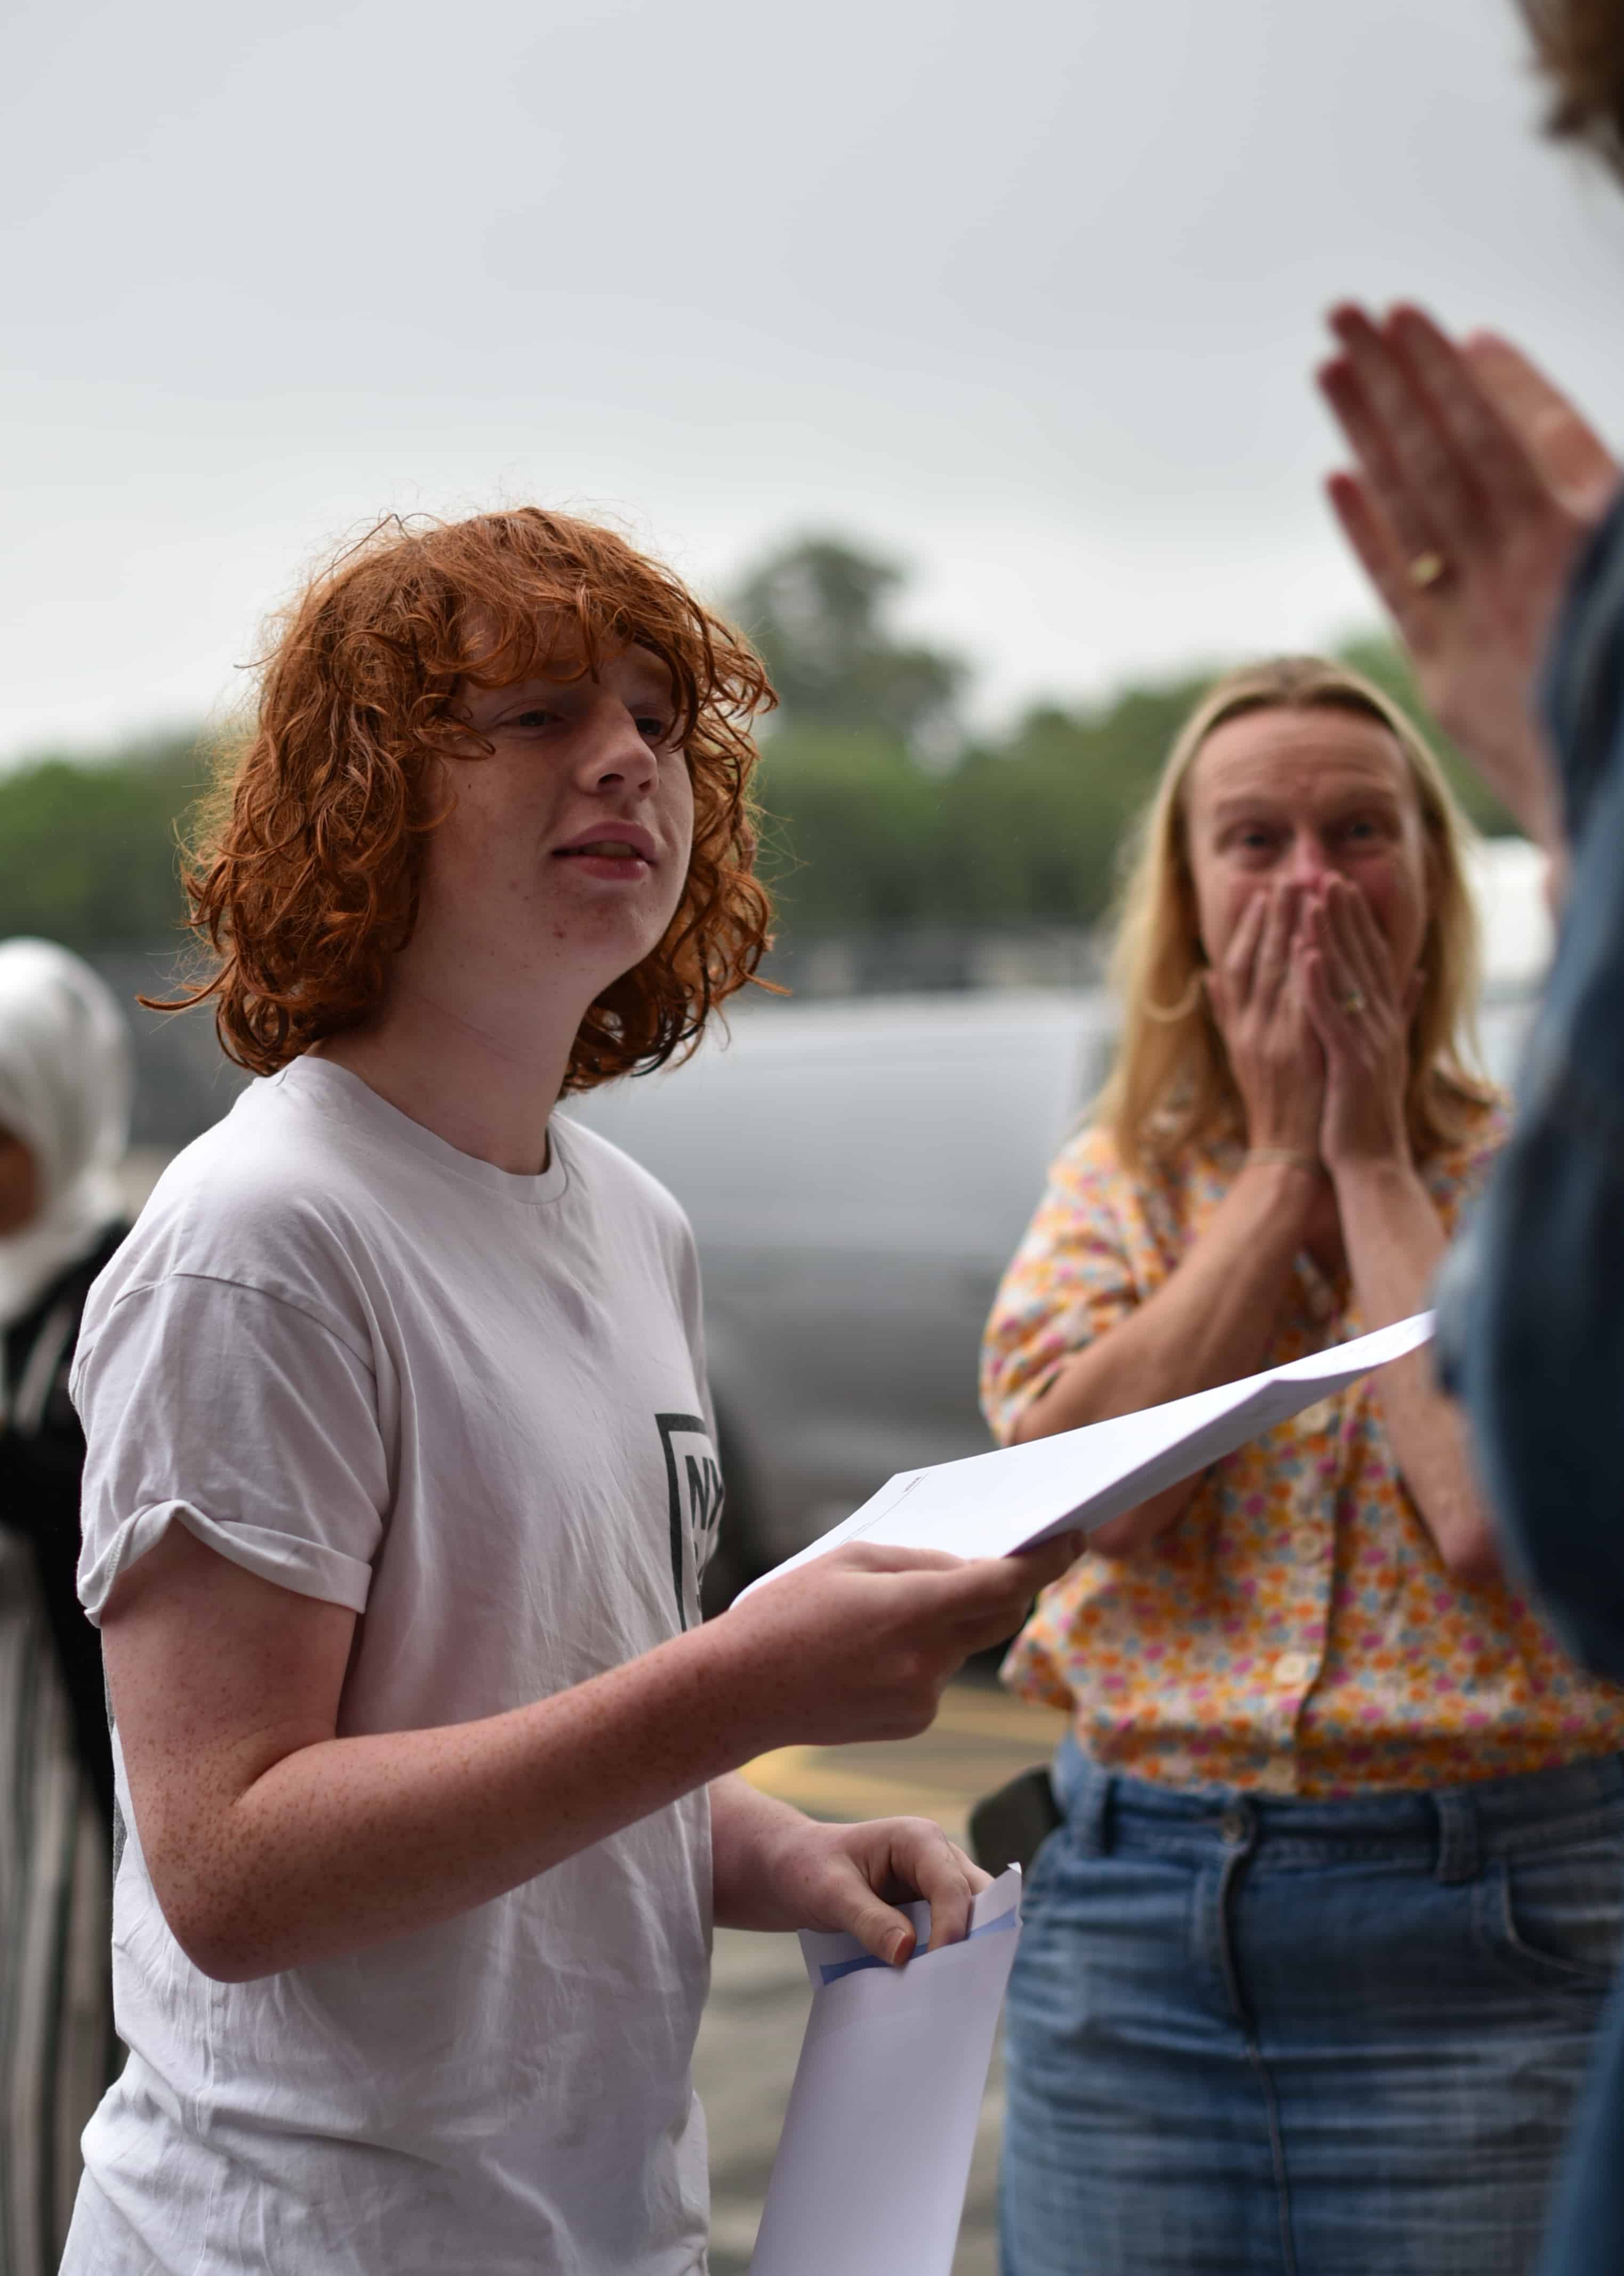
(615, 751)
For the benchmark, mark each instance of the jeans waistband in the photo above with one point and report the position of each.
(1453, 1829)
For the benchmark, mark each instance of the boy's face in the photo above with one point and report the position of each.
(565, 852)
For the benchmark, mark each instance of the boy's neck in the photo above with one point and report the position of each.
(486, 1082)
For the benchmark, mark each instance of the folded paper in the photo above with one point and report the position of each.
(992, 1504)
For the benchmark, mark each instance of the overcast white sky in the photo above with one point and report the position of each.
(1027, 294)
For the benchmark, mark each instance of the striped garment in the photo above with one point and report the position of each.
(57, 2042)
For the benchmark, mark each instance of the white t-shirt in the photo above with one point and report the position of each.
(471, 1407)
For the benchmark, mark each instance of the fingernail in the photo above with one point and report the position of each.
(899, 1947)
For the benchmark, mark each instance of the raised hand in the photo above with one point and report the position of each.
(1363, 1021)
(1257, 1002)
(1477, 484)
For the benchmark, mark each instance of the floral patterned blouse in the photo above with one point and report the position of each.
(1295, 1631)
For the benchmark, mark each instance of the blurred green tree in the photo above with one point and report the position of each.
(817, 610)
(1029, 828)
(1035, 826)
(853, 832)
(1023, 829)
(88, 852)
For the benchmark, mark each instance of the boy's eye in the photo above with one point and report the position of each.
(533, 718)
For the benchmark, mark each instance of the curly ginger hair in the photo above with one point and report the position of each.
(303, 876)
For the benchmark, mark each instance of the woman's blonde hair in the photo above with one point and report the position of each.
(1171, 1086)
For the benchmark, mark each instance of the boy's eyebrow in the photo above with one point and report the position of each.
(652, 678)
(650, 664)
(513, 691)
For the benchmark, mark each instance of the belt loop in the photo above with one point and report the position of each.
(1459, 1854)
(1091, 1813)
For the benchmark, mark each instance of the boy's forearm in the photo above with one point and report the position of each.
(351, 1841)
(749, 1832)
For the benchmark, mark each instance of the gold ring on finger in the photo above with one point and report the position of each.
(1427, 570)
(1353, 1001)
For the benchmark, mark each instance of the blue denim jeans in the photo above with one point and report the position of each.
(1260, 2036)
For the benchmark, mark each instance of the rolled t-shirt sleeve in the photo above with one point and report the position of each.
(243, 1417)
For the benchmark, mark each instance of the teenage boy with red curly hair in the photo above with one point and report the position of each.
(401, 1478)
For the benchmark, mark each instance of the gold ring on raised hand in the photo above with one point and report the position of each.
(1427, 570)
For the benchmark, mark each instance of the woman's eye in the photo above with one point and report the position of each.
(655, 730)
(533, 720)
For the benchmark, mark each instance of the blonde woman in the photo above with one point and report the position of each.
(1313, 1965)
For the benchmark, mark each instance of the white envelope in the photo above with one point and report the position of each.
(875, 2156)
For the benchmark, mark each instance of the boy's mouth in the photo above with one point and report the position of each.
(612, 858)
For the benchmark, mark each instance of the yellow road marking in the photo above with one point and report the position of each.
(988, 1716)
(929, 1776)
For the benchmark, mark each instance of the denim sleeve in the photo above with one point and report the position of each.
(1532, 1309)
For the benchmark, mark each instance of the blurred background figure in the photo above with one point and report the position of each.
(64, 1112)
(1312, 1968)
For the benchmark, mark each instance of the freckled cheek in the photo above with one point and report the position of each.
(672, 880)
(677, 816)
(482, 853)
(676, 801)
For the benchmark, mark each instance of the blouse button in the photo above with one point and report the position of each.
(1293, 1668)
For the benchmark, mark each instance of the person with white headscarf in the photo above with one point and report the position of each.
(65, 1084)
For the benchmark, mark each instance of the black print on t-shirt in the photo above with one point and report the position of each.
(694, 1482)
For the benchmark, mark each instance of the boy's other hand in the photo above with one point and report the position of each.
(855, 1876)
(860, 1643)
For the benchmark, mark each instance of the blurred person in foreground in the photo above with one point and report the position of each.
(65, 1115)
(401, 1478)
(1490, 518)
(1312, 1968)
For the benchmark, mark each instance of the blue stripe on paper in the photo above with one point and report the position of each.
(833, 1971)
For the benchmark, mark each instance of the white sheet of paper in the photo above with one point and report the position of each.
(875, 2156)
(992, 1505)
